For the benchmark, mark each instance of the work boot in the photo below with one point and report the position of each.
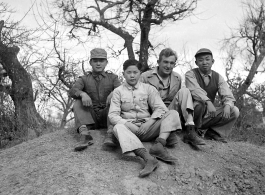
(191, 137)
(212, 135)
(172, 139)
(149, 167)
(110, 140)
(151, 162)
(85, 139)
(159, 151)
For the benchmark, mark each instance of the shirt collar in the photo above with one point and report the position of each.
(155, 72)
(210, 74)
(96, 74)
(132, 87)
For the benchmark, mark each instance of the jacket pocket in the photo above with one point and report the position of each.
(143, 102)
(126, 105)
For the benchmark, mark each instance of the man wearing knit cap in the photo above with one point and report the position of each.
(204, 84)
(93, 93)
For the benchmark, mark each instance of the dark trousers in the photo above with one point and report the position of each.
(94, 118)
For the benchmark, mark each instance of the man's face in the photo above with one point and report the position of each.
(98, 64)
(132, 75)
(205, 62)
(166, 65)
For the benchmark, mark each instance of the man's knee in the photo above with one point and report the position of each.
(235, 112)
(199, 107)
(183, 92)
(117, 127)
(77, 104)
(175, 115)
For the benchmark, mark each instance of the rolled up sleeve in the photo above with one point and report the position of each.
(155, 102)
(196, 91)
(225, 93)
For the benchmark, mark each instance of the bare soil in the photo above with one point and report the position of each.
(49, 165)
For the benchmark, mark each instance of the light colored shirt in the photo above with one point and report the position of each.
(168, 91)
(131, 103)
(224, 92)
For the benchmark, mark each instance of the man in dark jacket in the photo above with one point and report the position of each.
(93, 93)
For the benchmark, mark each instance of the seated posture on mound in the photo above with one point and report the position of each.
(129, 112)
(168, 83)
(93, 93)
(204, 83)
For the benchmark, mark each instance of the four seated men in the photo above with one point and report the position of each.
(152, 106)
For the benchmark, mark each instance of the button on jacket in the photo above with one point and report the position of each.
(131, 103)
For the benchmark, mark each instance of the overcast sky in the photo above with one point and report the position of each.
(206, 29)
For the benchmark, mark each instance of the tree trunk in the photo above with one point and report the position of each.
(66, 112)
(242, 90)
(145, 26)
(21, 92)
(129, 46)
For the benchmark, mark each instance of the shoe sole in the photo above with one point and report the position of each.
(146, 174)
(171, 144)
(219, 140)
(109, 144)
(82, 147)
(168, 160)
(190, 142)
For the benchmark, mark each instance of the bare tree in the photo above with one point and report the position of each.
(248, 42)
(125, 19)
(13, 35)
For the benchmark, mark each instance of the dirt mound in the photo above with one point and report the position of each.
(48, 165)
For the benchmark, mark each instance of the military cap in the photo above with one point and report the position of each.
(98, 53)
(203, 51)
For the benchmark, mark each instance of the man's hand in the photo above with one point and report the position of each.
(109, 98)
(145, 126)
(86, 100)
(132, 127)
(211, 109)
(226, 113)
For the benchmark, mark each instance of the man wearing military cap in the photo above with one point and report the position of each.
(204, 84)
(93, 93)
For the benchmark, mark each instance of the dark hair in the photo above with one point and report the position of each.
(167, 52)
(132, 62)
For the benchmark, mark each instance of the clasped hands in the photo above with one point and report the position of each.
(212, 111)
(139, 131)
(86, 100)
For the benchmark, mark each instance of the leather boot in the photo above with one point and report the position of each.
(151, 162)
(110, 140)
(149, 167)
(159, 151)
(212, 135)
(172, 139)
(191, 137)
(85, 141)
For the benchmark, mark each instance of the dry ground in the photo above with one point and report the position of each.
(48, 165)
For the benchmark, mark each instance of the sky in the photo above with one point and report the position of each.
(210, 24)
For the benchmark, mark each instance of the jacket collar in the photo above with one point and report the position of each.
(153, 78)
(103, 73)
(131, 87)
